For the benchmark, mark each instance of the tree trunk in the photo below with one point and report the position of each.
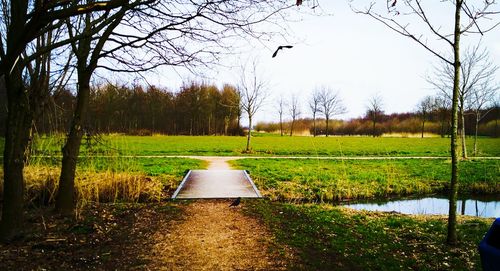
(327, 121)
(19, 120)
(66, 200)
(281, 124)
(291, 127)
(373, 128)
(249, 133)
(462, 131)
(314, 124)
(476, 127)
(452, 212)
(423, 128)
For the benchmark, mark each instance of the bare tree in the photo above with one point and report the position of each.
(476, 69)
(481, 97)
(400, 16)
(253, 92)
(331, 105)
(294, 108)
(374, 111)
(162, 33)
(280, 107)
(425, 107)
(23, 23)
(314, 106)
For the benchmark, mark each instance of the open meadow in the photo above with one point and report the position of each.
(264, 146)
(124, 185)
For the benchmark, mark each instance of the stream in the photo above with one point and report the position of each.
(433, 205)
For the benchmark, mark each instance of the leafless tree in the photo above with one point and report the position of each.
(374, 111)
(331, 105)
(476, 69)
(280, 107)
(294, 109)
(425, 107)
(481, 97)
(401, 16)
(314, 106)
(253, 90)
(144, 35)
(23, 23)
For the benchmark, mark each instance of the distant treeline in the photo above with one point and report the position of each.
(204, 109)
(436, 122)
(196, 109)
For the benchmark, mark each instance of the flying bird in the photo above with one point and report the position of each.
(281, 47)
(236, 202)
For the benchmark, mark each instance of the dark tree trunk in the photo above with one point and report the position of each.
(19, 120)
(423, 128)
(327, 121)
(373, 128)
(66, 196)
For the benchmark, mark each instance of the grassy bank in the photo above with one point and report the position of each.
(336, 238)
(326, 180)
(265, 145)
(108, 179)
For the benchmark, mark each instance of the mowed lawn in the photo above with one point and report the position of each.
(265, 146)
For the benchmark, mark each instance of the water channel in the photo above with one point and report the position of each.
(433, 205)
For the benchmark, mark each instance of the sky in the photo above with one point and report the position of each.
(348, 52)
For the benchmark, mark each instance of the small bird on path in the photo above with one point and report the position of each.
(281, 47)
(236, 202)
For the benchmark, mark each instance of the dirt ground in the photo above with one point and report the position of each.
(194, 235)
(213, 236)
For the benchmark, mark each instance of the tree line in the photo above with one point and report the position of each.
(436, 122)
(195, 109)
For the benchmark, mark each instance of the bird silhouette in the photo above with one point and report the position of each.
(281, 47)
(236, 202)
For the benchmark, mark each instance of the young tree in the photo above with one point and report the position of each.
(425, 107)
(294, 109)
(399, 16)
(280, 107)
(481, 98)
(374, 111)
(330, 105)
(253, 93)
(314, 106)
(476, 69)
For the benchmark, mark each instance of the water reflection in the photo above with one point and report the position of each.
(482, 207)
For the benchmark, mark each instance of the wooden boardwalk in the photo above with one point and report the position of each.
(216, 184)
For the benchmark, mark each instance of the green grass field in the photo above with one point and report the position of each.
(336, 238)
(326, 180)
(266, 146)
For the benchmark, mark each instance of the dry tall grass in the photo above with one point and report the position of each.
(41, 183)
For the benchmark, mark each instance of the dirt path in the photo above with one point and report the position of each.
(213, 236)
(217, 163)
